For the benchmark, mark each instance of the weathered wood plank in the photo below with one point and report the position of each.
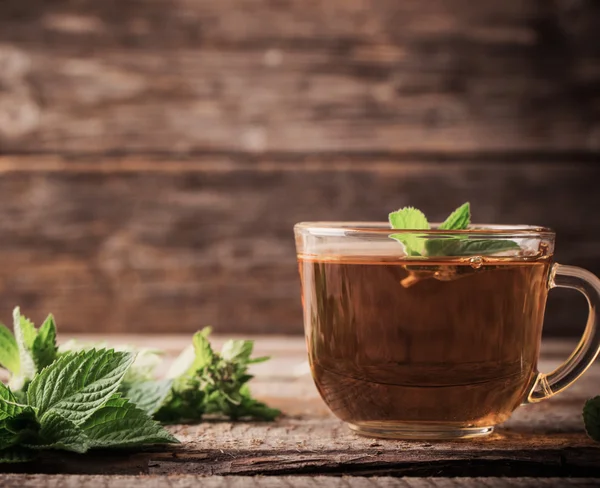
(143, 249)
(258, 75)
(58, 481)
(543, 439)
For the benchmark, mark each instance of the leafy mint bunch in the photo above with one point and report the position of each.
(410, 218)
(209, 382)
(200, 382)
(74, 405)
(81, 397)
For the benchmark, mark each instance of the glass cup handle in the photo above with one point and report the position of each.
(547, 385)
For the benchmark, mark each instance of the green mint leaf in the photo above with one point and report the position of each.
(7, 437)
(142, 369)
(148, 396)
(207, 382)
(25, 333)
(194, 357)
(26, 328)
(77, 384)
(8, 403)
(237, 350)
(468, 247)
(228, 394)
(409, 218)
(203, 352)
(591, 418)
(16, 455)
(20, 428)
(57, 432)
(121, 424)
(9, 406)
(44, 348)
(9, 352)
(459, 219)
(17, 422)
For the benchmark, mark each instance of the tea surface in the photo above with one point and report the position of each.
(427, 342)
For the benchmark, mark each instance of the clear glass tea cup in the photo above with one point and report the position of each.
(437, 346)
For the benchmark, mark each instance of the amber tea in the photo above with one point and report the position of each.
(452, 342)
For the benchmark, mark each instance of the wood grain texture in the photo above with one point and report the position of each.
(140, 248)
(295, 76)
(173, 143)
(545, 439)
(58, 481)
(103, 481)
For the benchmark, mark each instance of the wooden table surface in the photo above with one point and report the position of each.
(308, 445)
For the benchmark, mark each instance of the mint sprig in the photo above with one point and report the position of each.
(201, 382)
(207, 382)
(410, 218)
(83, 397)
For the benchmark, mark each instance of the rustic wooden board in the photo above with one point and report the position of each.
(58, 481)
(546, 439)
(142, 245)
(262, 75)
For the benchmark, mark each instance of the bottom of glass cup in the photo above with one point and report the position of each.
(394, 430)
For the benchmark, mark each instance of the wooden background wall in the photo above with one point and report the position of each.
(154, 154)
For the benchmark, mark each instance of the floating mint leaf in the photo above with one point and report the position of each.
(409, 218)
(450, 245)
(459, 219)
(468, 247)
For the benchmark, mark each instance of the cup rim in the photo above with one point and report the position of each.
(491, 231)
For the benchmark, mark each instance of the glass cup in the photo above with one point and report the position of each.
(443, 344)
